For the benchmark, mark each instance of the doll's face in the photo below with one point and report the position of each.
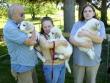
(26, 27)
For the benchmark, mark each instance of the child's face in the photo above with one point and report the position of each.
(88, 13)
(47, 25)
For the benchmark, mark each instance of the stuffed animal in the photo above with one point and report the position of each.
(61, 51)
(92, 25)
(27, 27)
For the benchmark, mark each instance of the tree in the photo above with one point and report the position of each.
(104, 11)
(37, 7)
(81, 3)
(69, 14)
(3, 7)
(101, 5)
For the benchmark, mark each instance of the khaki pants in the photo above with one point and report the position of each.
(89, 72)
(26, 77)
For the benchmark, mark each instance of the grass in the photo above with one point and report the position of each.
(5, 74)
(58, 21)
(6, 77)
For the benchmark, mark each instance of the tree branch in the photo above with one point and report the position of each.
(108, 5)
(98, 8)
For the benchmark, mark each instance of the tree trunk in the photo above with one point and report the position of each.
(104, 11)
(33, 15)
(69, 14)
(32, 11)
(81, 4)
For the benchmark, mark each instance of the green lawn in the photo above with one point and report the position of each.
(58, 20)
(5, 75)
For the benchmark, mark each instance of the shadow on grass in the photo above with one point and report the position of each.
(6, 77)
(5, 74)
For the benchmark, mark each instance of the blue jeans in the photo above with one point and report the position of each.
(58, 73)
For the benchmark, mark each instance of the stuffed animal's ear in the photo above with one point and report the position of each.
(18, 26)
(57, 29)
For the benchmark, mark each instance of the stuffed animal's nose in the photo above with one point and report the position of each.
(18, 27)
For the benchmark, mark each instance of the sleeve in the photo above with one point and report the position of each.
(15, 35)
(42, 41)
(102, 30)
(74, 29)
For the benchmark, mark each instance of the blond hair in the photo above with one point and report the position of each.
(13, 9)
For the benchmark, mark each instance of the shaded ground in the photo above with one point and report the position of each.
(5, 75)
(103, 76)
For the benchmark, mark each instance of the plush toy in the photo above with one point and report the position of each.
(92, 25)
(61, 51)
(27, 27)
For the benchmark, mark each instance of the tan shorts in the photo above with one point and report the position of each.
(25, 77)
(81, 71)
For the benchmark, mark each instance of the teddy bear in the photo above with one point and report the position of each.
(92, 25)
(27, 27)
(61, 51)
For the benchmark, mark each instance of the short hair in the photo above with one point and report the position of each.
(82, 16)
(13, 8)
(45, 19)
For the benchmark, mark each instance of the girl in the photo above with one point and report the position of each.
(54, 69)
(83, 65)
